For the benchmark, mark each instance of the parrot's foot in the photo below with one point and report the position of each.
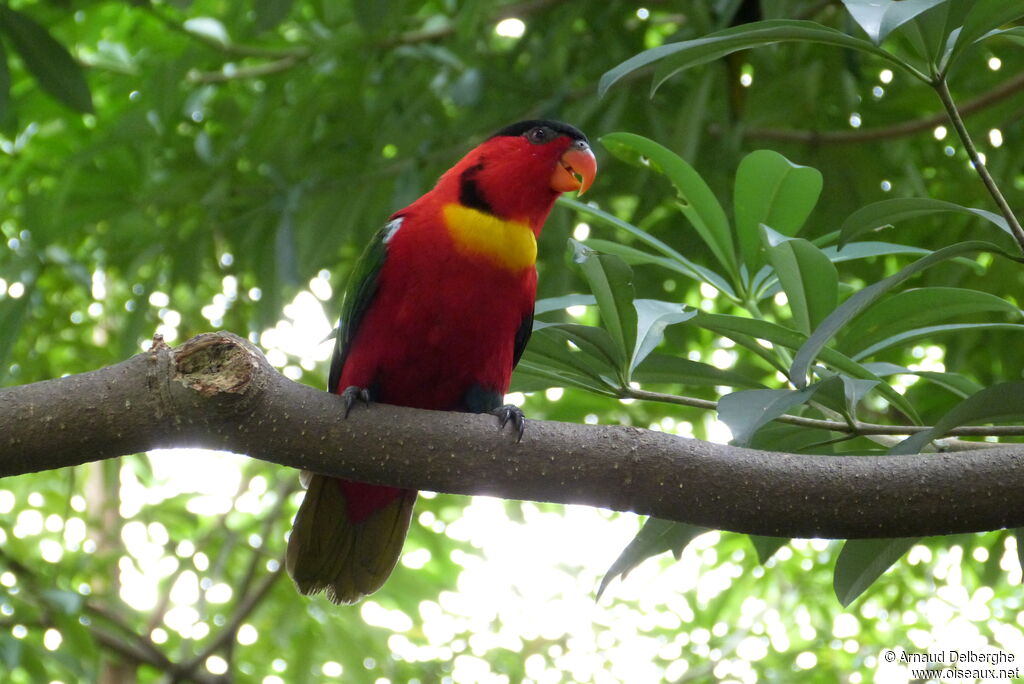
(511, 414)
(352, 394)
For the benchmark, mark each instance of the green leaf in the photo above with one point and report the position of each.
(595, 358)
(959, 385)
(918, 308)
(680, 265)
(533, 375)
(843, 394)
(209, 28)
(611, 282)
(655, 537)
(746, 332)
(887, 212)
(998, 403)
(550, 304)
(697, 202)
(855, 390)
(766, 283)
(662, 368)
(879, 18)
(1015, 34)
(773, 191)
(549, 357)
(860, 301)
(684, 265)
(809, 279)
(794, 439)
(47, 60)
(595, 343)
(931, 331)
(653, 316)
(930, 31)
(755, 34)
(862, 561)
(745, 412)
(863, 250)
(766, 546)
(984, 17)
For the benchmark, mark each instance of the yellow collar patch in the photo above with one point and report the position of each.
(509, 244)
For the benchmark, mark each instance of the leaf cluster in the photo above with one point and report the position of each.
(831, 346)
(172, 167)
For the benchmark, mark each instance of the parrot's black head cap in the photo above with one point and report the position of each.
(558, 127)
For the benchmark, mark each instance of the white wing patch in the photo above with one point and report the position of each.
(391, 228)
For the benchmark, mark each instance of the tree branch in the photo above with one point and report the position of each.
(218, 391)
(898, 130)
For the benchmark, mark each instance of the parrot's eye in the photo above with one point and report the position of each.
(540, 135)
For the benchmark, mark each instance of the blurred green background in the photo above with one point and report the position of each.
(219, 165)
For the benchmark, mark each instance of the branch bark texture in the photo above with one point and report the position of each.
(217, 391)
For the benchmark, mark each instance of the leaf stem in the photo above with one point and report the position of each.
(781, 353)
(942, 88)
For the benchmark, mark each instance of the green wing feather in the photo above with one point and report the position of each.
(346, 559)
(362, 286)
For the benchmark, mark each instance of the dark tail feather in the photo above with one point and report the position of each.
(337, 548)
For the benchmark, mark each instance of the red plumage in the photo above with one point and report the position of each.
(441, 320)
(440, 327)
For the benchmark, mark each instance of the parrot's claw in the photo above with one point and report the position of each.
(352, 394)
(510, 413)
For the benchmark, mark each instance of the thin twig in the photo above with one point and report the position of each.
(270, 518)
(156, 617)
(899, 130)
(243, 609)
(942, 88)
(242, 73)
(228, 48)
(140, 642)
(834, 425)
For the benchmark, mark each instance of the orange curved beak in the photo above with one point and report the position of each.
(576, 169)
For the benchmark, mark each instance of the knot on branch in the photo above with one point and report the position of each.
(216, 364)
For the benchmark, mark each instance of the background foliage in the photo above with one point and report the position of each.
(176, 167)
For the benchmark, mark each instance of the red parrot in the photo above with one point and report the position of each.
(436, 315)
